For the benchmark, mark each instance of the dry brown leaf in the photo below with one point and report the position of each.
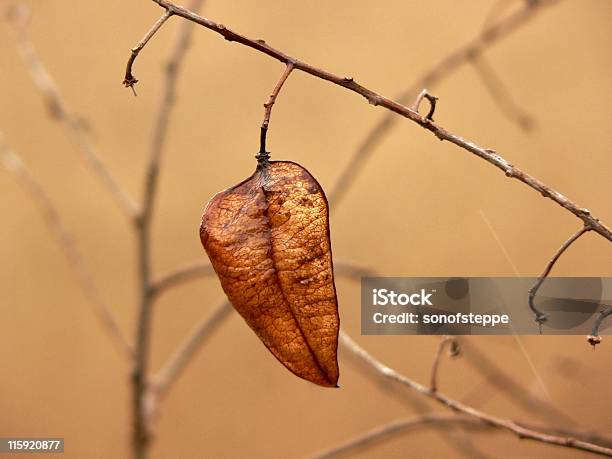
(268, 241)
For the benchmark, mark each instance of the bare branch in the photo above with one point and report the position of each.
(383, 372)
(160, 384)
(541, 317)
(500, 94)
(129, 80)
(581, 434)
(454, 351)
(398, 427)
(490, 35)
(374, 98)
(507, 386)
(355, 272)
(347, 269)
(59, 111)
(66, 241)
(264, 155)
(181, 275)
(351, 270)
(201, 333)
(594, 339)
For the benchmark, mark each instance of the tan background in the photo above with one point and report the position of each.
(415, 211)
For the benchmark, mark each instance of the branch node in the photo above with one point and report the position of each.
(129, 81)
(594, 339)
(453, 351)
(432, 104)
(374, 99)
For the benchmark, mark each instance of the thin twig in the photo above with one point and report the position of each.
(59, 111)
(581, 434)
(454, 351)
(500, 94)
(417, 102)
(264, 155)
(432, 103)
(385, 373)
(398, 427)
(129, 80)
(594, 339)
(268, 105)
(66, 241)
(179, 276)
(160, 384)
(175, 365)
(432, 106)
(490, 35)
(540, 316)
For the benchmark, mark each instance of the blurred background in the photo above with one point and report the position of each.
(420, 208)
